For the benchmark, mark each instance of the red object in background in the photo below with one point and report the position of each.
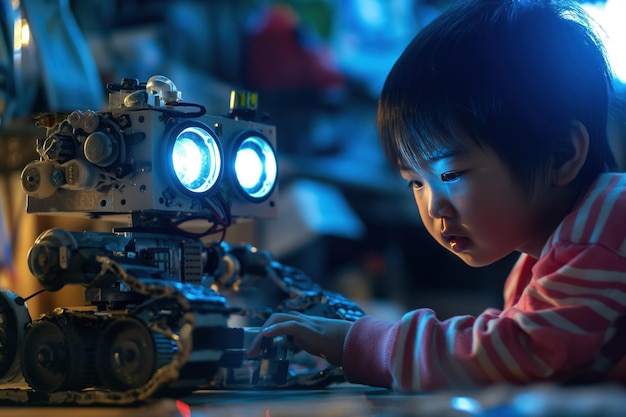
(183, 408)
(278, 60)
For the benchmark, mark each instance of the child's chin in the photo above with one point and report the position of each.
(473, 260)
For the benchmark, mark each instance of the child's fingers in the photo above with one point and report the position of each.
(254, 349)
(273, 328)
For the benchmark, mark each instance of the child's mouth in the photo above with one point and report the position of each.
(458, 243)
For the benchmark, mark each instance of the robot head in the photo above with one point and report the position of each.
(151, 152)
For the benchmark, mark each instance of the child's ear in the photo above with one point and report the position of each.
(568, 164)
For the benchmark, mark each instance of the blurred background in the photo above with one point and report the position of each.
(345, 217)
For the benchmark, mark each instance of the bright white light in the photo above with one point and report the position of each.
(25, 34)
(249, 168)
(187, 161)
(256, 167)
(196, 159)
(610, 17)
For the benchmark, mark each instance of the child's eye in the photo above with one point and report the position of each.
(416, 185)
(451, 176)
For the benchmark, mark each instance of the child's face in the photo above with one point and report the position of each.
(471, 205)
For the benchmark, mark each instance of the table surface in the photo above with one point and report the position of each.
(347, 400)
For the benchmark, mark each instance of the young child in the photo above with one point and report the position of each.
(496, 115)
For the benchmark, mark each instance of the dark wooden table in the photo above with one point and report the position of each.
(347, 400)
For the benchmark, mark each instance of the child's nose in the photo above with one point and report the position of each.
(439, 204)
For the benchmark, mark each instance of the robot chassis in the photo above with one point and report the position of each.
(159, 300)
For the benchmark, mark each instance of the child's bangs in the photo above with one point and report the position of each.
(419, 139)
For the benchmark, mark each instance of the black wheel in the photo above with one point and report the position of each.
(58, 353)
(14, 318)
(126, 356)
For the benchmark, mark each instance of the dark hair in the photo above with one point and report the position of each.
(511, 74)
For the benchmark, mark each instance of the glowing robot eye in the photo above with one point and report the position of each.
(255, 167)
(196, 159)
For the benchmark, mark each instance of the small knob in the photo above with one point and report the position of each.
(101, 149)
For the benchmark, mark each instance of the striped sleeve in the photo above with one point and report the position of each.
(563, 318)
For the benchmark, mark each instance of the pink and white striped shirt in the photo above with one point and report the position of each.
(564, 316)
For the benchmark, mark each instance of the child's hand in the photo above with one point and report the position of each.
(317, 335)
